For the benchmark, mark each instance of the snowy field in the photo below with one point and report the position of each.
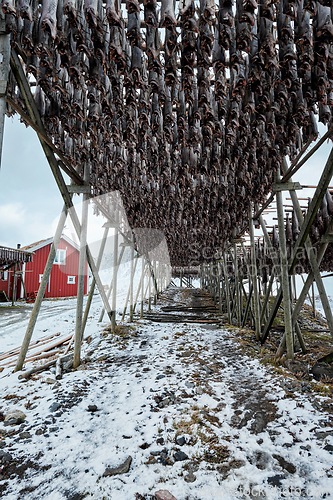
(164, 392)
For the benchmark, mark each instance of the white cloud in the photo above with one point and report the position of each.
(12, 214)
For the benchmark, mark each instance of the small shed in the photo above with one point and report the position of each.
(64, 274)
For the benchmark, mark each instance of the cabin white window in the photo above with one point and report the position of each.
(60, 257)
(70, 280)
(5, 275)
(40, 278)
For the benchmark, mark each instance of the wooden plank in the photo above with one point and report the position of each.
(33, 345)
(286, 186)
(72, 188)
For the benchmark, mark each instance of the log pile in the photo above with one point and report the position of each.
(186, 109)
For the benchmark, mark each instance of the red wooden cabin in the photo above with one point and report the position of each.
(64, 274)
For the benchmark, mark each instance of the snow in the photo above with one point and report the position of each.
(122, 379)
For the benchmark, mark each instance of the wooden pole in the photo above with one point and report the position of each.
(155, 281)
(131, 283)
(4, 72)
(294, 286)
(81, 274)
(142, 284)
(93, 283)
(111, 284)
(22, 269)
(34, 114)
(284, 273)
(227, 287)
(115, 271)
(313, 300)
(220, 285)
(248, 306)
(254, 273)
(266, 298)
(14, 286)
(303, 234)
(41, 290)
(309, 296)
(128, 293)
(313, 263)
(149, 289)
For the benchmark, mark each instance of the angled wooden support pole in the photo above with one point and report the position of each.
(4, 72)
(36, 119)
(67, 197)
(248, 306)
(254, 274)
(129, 291)
(313, 262)
(227, 286)
(266, 298)
(93, 283)
(303, 234)
(41, 290)
(111, 284)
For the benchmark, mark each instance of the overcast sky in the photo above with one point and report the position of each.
(29, 198)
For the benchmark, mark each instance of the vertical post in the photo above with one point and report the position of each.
(294, 286)
(14, 285)
(284, 273)
(111, 284)
(155, 281)
(142, 283)
(253, 269)
(115, 271)
(93, 283)
(149, 288)
(128, 293)
(131, 283)
(41, 290)
(227, 289)
(237, 285)
(220, 285)
(22, 268)
(81, 274)
(4, 72)
(313, 300)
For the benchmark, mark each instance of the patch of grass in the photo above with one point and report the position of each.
(120, 330)
(321, 388)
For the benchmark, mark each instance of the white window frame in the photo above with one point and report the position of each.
(5, 276)
(71, 280)
(60, 257)
(40, 278)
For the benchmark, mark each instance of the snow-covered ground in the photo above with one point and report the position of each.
(58, 315)
(248, 432)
